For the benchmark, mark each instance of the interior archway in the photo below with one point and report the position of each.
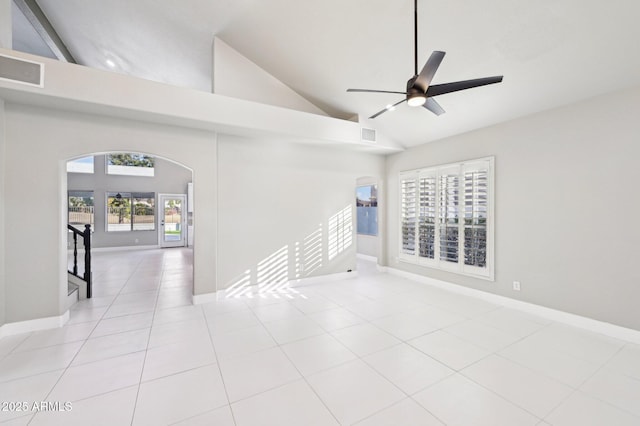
(127, 239)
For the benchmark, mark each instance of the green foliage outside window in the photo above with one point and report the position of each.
(133, 160)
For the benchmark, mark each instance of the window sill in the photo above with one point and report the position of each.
(490, 277)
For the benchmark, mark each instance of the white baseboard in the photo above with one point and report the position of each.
(612, 330)
(366, 257)
(323, 278)
(124, 248)
(200, 299)
(33, 325)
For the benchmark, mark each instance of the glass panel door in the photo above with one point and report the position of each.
(172, 220)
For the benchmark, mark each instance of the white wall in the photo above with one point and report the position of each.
(236, 76)
(82, 111)
(566, 206)
(276, 203)
(272, 195)
(368, 245)
(169, 178)
(2, 209)
(39, 143)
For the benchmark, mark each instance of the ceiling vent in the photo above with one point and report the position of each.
(21, 71)
(368, 135)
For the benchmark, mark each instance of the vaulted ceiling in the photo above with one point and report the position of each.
(551, 52)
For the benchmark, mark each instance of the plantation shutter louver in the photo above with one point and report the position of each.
(409, 194)
(427, 217)
(475, 217)
(449, 216)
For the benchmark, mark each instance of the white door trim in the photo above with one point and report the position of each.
(183, 221)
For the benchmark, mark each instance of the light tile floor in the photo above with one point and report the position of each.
(372, 350)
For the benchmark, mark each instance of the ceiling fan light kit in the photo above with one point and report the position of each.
(415, 97)
(419, 91)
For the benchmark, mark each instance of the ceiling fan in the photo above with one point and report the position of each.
(419, 91)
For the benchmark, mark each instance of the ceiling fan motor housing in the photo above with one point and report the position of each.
(411, 85)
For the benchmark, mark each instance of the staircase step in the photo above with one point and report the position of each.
(71, 287)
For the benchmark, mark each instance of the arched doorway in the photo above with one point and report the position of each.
(121, 197)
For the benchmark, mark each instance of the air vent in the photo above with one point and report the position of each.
(368, 135)
(21, 71)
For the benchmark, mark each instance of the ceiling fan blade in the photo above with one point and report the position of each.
(428, 71)
(387, 108)
(441, 89)
(433, 106)
(375, 91)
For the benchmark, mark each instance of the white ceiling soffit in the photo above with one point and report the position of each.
(82, 89)
(551, 52)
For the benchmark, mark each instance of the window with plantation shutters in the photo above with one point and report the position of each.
(446, 217)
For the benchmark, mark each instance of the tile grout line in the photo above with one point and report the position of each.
(574, 389)
(215, 353)
(155, 309)
(401, 341)
(80, 348)
(601, 368)
(357, 357)
(279, 346)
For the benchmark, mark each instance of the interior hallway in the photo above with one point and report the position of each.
(372, 350)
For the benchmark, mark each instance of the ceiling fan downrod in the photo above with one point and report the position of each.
(420, 91)
(415, 37)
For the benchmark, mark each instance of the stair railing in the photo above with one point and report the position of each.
(86, 239)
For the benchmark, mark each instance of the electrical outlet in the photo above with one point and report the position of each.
(516, 285)
(137, 241)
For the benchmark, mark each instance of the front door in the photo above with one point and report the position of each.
(173, 220)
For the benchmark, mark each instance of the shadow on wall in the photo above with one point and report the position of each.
(271, 276)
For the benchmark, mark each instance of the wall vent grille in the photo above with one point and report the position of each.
(21, 71)
(368, 135)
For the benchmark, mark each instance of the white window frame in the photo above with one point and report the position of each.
(486, 273)
(73, 166)
(78, 193)
(138, 171)
(130, 195)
